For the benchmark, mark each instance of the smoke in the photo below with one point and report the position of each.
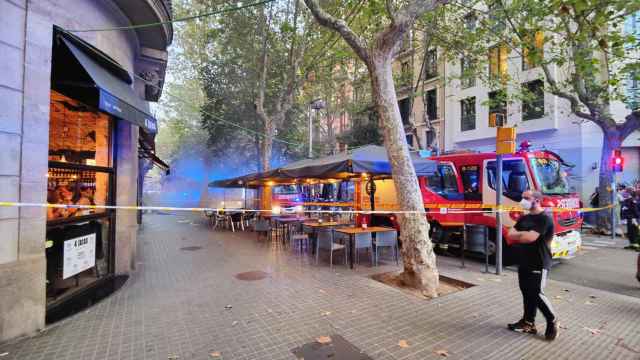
(192, 171)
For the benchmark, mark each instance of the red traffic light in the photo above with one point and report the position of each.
(617, 161)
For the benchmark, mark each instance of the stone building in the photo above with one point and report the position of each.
(419, 75)
(543, 119)
(74, 122)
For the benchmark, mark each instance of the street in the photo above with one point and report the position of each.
(186, 300)
(602, 264)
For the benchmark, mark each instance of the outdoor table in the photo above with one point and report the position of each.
(285, 222)
(352, 231)
(315, 225)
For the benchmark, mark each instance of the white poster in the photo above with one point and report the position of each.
(79, 255)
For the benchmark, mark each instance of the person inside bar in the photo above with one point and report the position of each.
(65, 197)
(83, 196)
(53, 198)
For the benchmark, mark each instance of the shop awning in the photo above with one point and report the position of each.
(115, 95)
(147, 150)
(369, 159)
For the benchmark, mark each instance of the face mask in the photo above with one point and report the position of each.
(526, 204)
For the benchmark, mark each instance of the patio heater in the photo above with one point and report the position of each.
(316, 105)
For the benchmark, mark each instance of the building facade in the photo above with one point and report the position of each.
(74, 121)
(543, 119)
(419, 75)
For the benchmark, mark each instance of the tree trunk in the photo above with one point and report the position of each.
(267, 144)
(258, 158)
(611, 140)
(417, 251)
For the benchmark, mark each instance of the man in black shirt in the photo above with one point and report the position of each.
(533, 233)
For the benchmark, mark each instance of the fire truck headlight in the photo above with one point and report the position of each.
(276, 210)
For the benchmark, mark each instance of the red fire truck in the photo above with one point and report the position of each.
(286, 199)
(462, 191)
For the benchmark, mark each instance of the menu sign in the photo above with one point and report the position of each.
(79, 255)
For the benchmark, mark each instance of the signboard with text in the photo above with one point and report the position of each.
(79, 255)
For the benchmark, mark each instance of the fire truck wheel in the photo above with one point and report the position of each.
(437, 236)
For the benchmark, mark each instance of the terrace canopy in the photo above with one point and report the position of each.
(370, 159)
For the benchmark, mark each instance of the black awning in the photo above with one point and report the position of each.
(158, 162)
(370, 159)
(147, 149)
(115, 95)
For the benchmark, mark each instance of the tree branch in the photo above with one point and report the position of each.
(390, 11)
(555, 90)
(404, 18)
(357, 43)
(631, 124)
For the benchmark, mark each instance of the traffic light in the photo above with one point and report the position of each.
(617, 161)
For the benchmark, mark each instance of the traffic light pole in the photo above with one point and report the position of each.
(499, 215)
(614, 206)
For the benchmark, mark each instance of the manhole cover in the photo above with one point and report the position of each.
(191, 248)
(333, 347)
(252, 275)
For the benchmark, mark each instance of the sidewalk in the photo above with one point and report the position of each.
(176, 306)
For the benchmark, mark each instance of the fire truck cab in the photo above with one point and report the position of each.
(465, 185)
(286, 199)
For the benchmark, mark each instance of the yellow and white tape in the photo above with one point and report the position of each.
(449, 208)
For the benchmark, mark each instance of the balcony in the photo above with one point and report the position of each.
(150, 11)
(154, 41)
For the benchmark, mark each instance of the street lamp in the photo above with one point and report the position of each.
(316, 105)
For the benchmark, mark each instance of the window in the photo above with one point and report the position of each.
(533, 51)
(432, 104)
(405, 73)
(409, 138)
(444, 182)
(498, 106)
(80, 173)
(467, 78)
(431, 64)
(79, 158)
(430, 137)
(514, 178)
(470, 175)
(405, 110)
(632, 92)
(78, 134)
(533, 103)
(550, 176)
(70, 185)
(468, 114)
(286, 190)
(498, 62)
(632, 25)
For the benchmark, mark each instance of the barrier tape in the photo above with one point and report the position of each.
(443, 208)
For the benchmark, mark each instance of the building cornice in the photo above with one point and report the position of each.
(151, 62)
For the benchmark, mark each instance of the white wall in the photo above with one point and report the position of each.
(577, 141)
(25, 73)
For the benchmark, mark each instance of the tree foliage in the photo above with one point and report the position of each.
(585, 52)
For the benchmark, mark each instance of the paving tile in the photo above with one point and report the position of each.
(174, 304)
